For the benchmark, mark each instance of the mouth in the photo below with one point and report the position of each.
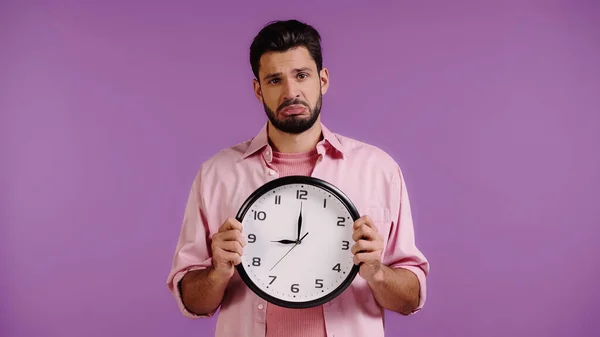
(293, 110)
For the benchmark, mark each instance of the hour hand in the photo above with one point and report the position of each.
(285, 241)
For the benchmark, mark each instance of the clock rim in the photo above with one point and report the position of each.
(288, 180)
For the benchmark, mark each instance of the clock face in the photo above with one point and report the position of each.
(298, 233)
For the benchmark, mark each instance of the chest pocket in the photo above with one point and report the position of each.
(381, 217)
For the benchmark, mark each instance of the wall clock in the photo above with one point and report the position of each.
(298, 233)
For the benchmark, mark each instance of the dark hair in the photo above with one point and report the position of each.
(281, 36)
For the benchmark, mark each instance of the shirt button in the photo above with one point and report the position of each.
(260, 307)
(267, 153)
(271, 172)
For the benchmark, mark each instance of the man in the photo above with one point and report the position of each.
(290, 81)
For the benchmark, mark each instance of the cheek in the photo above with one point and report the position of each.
(313, 93)
(270, 98)
(271, 104)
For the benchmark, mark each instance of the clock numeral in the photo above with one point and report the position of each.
(341, 221)
(337, 268)
(345, 245)
(318, 283)
(251, 238)
(294, 288)
(277, 200)
(260, 215)
(301, 194)
(256, 261)
(273, 279)
(324, 203)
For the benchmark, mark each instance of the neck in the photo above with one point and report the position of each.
(295, 143)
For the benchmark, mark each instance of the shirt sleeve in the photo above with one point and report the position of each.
(193, 246)
(401, 250)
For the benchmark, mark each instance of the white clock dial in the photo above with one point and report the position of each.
(298, 269)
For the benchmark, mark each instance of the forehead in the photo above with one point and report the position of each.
(275, 62)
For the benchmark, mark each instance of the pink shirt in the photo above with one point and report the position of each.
(370, 178)
(295, 322)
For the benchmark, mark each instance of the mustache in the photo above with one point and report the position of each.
(292, 102)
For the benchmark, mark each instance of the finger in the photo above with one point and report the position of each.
(231, 235)
(231, 246)
(364, 246)
(225, 257)
(229, 224)
(366, 257)
(365, 220)
(364, 232)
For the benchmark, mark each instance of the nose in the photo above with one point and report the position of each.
(290, 90)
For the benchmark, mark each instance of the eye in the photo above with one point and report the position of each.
(302, 76)
(274, 81)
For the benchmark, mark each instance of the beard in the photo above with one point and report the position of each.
(295, 124)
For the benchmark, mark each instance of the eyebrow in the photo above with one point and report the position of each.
(296, 70)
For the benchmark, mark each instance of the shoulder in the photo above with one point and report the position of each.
(223, 161)
(361, 152)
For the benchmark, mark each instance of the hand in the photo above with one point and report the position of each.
(368, 247)
(285, 241)
(299, 223)
(294, 246)
(226, 248)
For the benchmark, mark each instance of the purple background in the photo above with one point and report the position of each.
(109, 108)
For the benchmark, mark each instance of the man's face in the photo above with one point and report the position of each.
(291, 89)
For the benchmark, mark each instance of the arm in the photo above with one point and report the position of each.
(396, 272)
(401, 256)
(192, 259)
(204, 260)
(202, 291)
(396, 289)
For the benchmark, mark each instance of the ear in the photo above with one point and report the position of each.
(257, 90)
(324, 77)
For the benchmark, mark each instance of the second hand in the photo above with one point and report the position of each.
(299, 241)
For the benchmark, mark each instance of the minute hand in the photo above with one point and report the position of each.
(299, 223)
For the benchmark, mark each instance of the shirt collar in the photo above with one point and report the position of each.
(261, 141)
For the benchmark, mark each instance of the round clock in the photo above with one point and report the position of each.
(298, 233)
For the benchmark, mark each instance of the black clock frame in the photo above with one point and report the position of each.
(288, 180)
